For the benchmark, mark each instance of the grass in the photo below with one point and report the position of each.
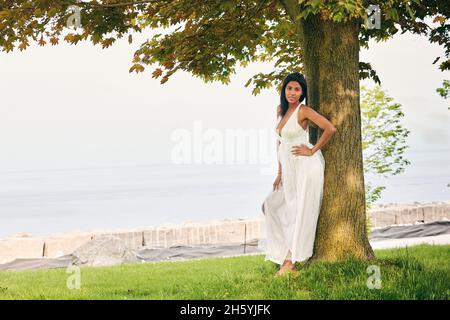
(418, 272)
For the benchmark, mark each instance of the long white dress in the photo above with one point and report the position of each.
(290, 214)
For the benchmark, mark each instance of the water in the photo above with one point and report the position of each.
(46, 201)
(41, 202)
(426, 179)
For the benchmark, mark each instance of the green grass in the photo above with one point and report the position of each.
(418, 272)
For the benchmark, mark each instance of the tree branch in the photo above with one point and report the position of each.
(293, 10)
(111, 5)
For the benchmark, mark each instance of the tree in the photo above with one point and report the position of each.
(384, 138)
(444, 90)
(322, 39)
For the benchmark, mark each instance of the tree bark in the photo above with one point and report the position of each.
(331, 58)
(331, 68)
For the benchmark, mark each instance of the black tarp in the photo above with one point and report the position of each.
(176, 253)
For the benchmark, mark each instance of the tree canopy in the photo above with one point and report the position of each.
(210, 37)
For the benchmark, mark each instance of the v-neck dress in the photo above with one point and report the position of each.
(291, 212)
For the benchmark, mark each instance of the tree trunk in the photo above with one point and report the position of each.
(331, 58)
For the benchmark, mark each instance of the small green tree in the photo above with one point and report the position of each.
(384, 138)
(444, 91)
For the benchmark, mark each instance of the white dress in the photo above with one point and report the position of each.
(290, 213)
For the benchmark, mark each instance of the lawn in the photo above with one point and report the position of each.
(417, 272)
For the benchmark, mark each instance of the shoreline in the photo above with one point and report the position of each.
(383, 207)
(229, 231)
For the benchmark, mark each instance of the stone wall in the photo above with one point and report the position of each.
(397, 214)
(217, 232)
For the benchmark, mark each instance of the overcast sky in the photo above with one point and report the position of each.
(72, 106)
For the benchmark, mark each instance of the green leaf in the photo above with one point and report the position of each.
(4, 14)
(410, 12)
(137, 68)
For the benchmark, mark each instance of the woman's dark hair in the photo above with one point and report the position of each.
(296, 76)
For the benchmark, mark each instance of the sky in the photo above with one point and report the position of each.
(71, 106)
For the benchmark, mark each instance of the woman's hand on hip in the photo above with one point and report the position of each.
(301, 150)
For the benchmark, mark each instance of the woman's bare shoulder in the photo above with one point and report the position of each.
(303, 105)
(303, 116)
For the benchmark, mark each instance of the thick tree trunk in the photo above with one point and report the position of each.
(331, 57)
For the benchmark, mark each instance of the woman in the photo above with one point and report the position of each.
(292, 208)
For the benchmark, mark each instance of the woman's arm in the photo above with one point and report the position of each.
(322, 122)
(278, 140)
(279, 163)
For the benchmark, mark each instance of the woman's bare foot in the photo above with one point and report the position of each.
(287, 266)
